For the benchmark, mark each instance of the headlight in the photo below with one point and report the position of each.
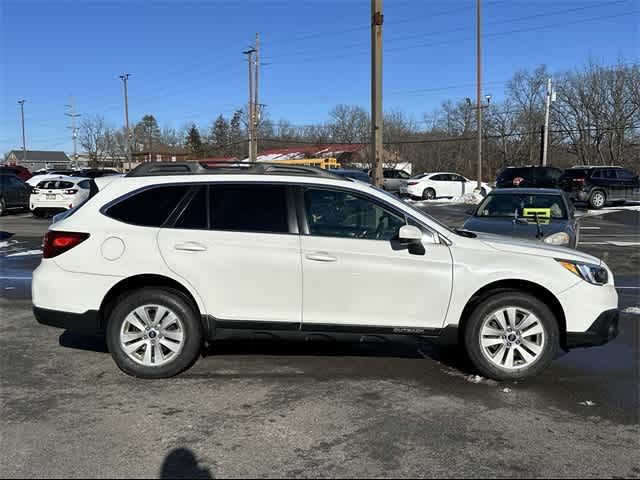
(594, 274)
(560, 238)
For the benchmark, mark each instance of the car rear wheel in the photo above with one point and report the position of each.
(511, 336)
(597, 199)
(428, 194)
(154, 333)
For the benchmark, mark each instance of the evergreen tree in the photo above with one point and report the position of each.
(221, 136)
(238, 148)
(147, 133)
(194, 142)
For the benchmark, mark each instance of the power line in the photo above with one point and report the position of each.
(393, 40)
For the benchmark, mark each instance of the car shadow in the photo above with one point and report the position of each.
(182, 463)
(6, 235)
(407, 348)
(450, 356)
(89, 343)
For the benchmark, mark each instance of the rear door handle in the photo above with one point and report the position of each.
(190, 247)
(321, 257)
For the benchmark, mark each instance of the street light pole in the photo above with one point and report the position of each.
(479, 92)
(550, 98)
(24, 141)
(127, 143)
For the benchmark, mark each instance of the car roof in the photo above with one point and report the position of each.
(527, 191)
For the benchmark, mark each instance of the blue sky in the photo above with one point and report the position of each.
(186, 63)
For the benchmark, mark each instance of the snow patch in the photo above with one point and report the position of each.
(470, 198)
(27, 253)
(632, 310)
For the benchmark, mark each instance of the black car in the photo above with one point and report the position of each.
(355, 174)
(529, 177)
(94, 173)
(599, 185)
(14, 193)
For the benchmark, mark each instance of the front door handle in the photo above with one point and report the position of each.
(321, 257)
(190, 247)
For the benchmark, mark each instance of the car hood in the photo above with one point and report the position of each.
(506, 226)
(534, 247)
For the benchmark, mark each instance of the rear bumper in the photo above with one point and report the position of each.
(603, 330)
(88, 323)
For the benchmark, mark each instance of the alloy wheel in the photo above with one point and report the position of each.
(152, 335)
(512, 338)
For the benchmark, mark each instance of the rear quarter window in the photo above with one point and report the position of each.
(150, 207)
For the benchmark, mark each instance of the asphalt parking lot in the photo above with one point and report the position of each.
(268, 409)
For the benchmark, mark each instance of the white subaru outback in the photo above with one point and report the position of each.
(174, 256)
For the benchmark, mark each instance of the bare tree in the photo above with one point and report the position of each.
(92, 139)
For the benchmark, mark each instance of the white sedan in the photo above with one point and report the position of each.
(59, 194)
(429, 186)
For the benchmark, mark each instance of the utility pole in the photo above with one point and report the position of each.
(551, 97)
(127, 143)
(74, 129)
(479, 92)
(24, 141)
(377, 19)
(256, 105)
(250, 120)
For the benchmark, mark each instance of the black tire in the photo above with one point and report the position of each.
(597, 199)
(493, 303)
(184, 310)
(3, 207)
(428, 194)
(38, 213)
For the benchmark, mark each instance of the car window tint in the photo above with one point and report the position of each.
(248, 208)
(439, 178)
(333, 213)
(194, 216)
(86, 184)
(148, 208)
(596, 174)
(610, 175)
(625, 174)
(55, 185)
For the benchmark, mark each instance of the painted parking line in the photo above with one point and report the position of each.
(15, 278)
(590, 228)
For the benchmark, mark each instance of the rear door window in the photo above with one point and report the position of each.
(150, 207)
(55, 185)
(248, 208)
(194, 216)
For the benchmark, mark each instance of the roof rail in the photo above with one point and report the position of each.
(150, 169)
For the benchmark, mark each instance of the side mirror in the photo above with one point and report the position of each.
(413, 235)
(410, 234)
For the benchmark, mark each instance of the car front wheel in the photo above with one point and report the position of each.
(511, 336)
(154, 333)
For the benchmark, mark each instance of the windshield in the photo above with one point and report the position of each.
(523, 206)
(417, 177)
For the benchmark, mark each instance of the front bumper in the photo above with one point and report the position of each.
(603, 330)
(88, 323)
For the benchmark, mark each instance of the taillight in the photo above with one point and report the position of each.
(35, 191)
(70, 192)
(412, 183)
(56, 242)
